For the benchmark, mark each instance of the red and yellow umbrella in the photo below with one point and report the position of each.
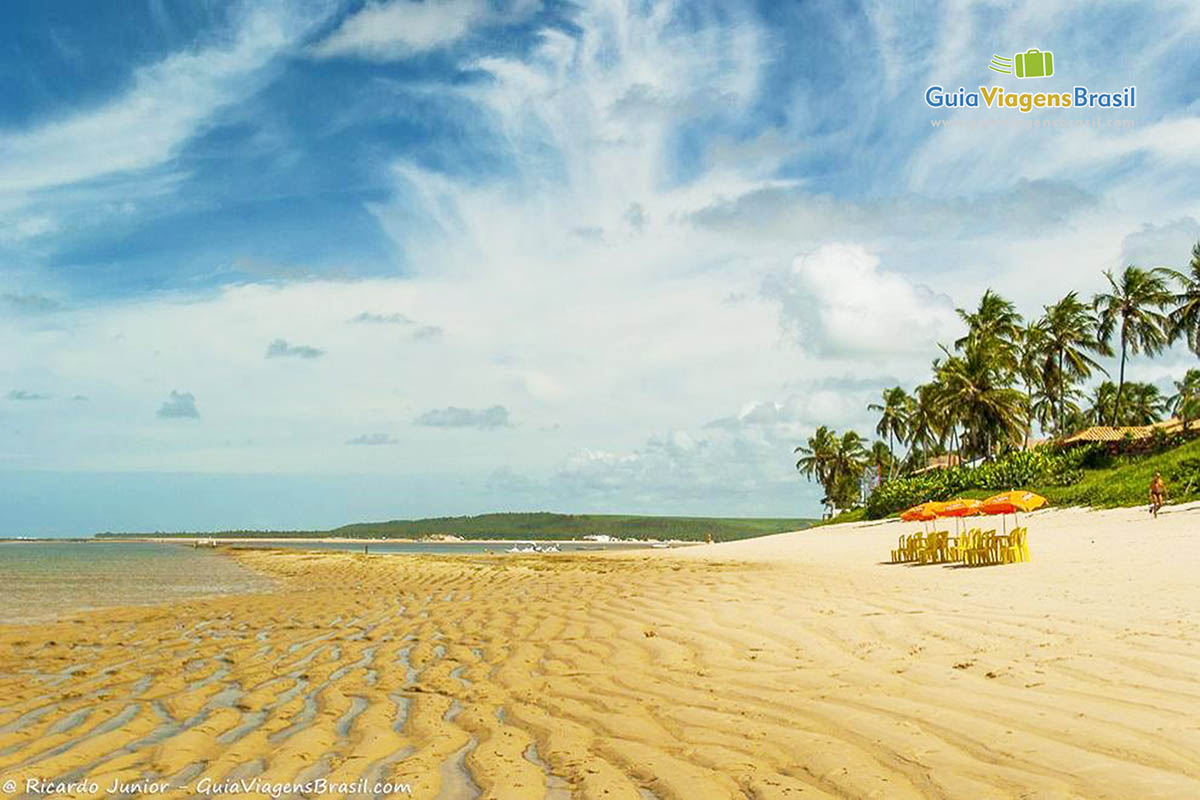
(962, 507)
(922, 512)
(1012, 502)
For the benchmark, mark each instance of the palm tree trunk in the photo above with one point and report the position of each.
(1116, 415)
(892, 455)
(1028, 408)
(1062, 393)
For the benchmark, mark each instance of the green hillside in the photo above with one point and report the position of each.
(1098, 480)
(545, 525)
(1125, 480)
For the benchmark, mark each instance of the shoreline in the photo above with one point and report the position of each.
(338, 540)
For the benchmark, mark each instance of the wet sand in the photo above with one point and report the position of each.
(788, 666)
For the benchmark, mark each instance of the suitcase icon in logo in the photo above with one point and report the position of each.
(1034, 63)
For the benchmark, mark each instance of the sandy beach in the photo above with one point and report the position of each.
(795, 665)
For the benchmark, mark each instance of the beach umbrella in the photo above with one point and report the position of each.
(919, 513)
(961, 507)
(1011, 503)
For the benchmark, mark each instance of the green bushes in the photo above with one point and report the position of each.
(1093, 476)
(1040, 467)
(1186, 476)
(1125, 481)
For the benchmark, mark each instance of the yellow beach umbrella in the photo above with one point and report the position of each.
(961, 507)
(919, 513)
(1012, 502)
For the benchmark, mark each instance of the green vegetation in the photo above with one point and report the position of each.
(1005, 374)
(1087, 476)
(542, 525)
(1125, 480)
(1024, 470)
(835, 462)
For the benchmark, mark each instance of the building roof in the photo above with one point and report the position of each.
(1106, 433)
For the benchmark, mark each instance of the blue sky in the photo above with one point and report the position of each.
(298, 264)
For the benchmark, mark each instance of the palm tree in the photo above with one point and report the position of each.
(1185, 403)
(1069, 335)
(1185, 318)
(1101, 404)
(817, 458)
(893, 419)
(926, 421)
(1031, 367)
(991, 411)
(835, 463)
(1144, 404)
(849, 461)
(995, 326)
(1133, 309)
(880, 456)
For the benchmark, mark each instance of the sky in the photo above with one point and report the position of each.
(292, 265)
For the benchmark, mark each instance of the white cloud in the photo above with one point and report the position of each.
(839, 302)
(401, 28)
(167, 102)
(27, 227)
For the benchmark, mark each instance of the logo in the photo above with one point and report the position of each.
(1033, 63)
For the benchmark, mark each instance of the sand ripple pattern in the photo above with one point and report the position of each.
(603, 677)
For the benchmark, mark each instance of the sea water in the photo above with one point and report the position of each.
(42, 580)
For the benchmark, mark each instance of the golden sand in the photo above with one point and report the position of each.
(792, 666)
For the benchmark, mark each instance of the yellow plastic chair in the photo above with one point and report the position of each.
(995, 543)
(942, 552)
(958, 547)
(916, 543)
(901, 548)
(980, 550)
(934, 547)
(1018, 546)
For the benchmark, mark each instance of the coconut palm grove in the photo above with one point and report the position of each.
(973, 424)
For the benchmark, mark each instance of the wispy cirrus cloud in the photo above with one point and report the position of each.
(164, 106)
(395, 29)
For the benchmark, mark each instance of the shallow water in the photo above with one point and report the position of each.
(438, 548)
(43, 580)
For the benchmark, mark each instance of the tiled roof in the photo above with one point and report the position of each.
(1104, 433)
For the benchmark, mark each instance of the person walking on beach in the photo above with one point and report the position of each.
(1158, 494)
